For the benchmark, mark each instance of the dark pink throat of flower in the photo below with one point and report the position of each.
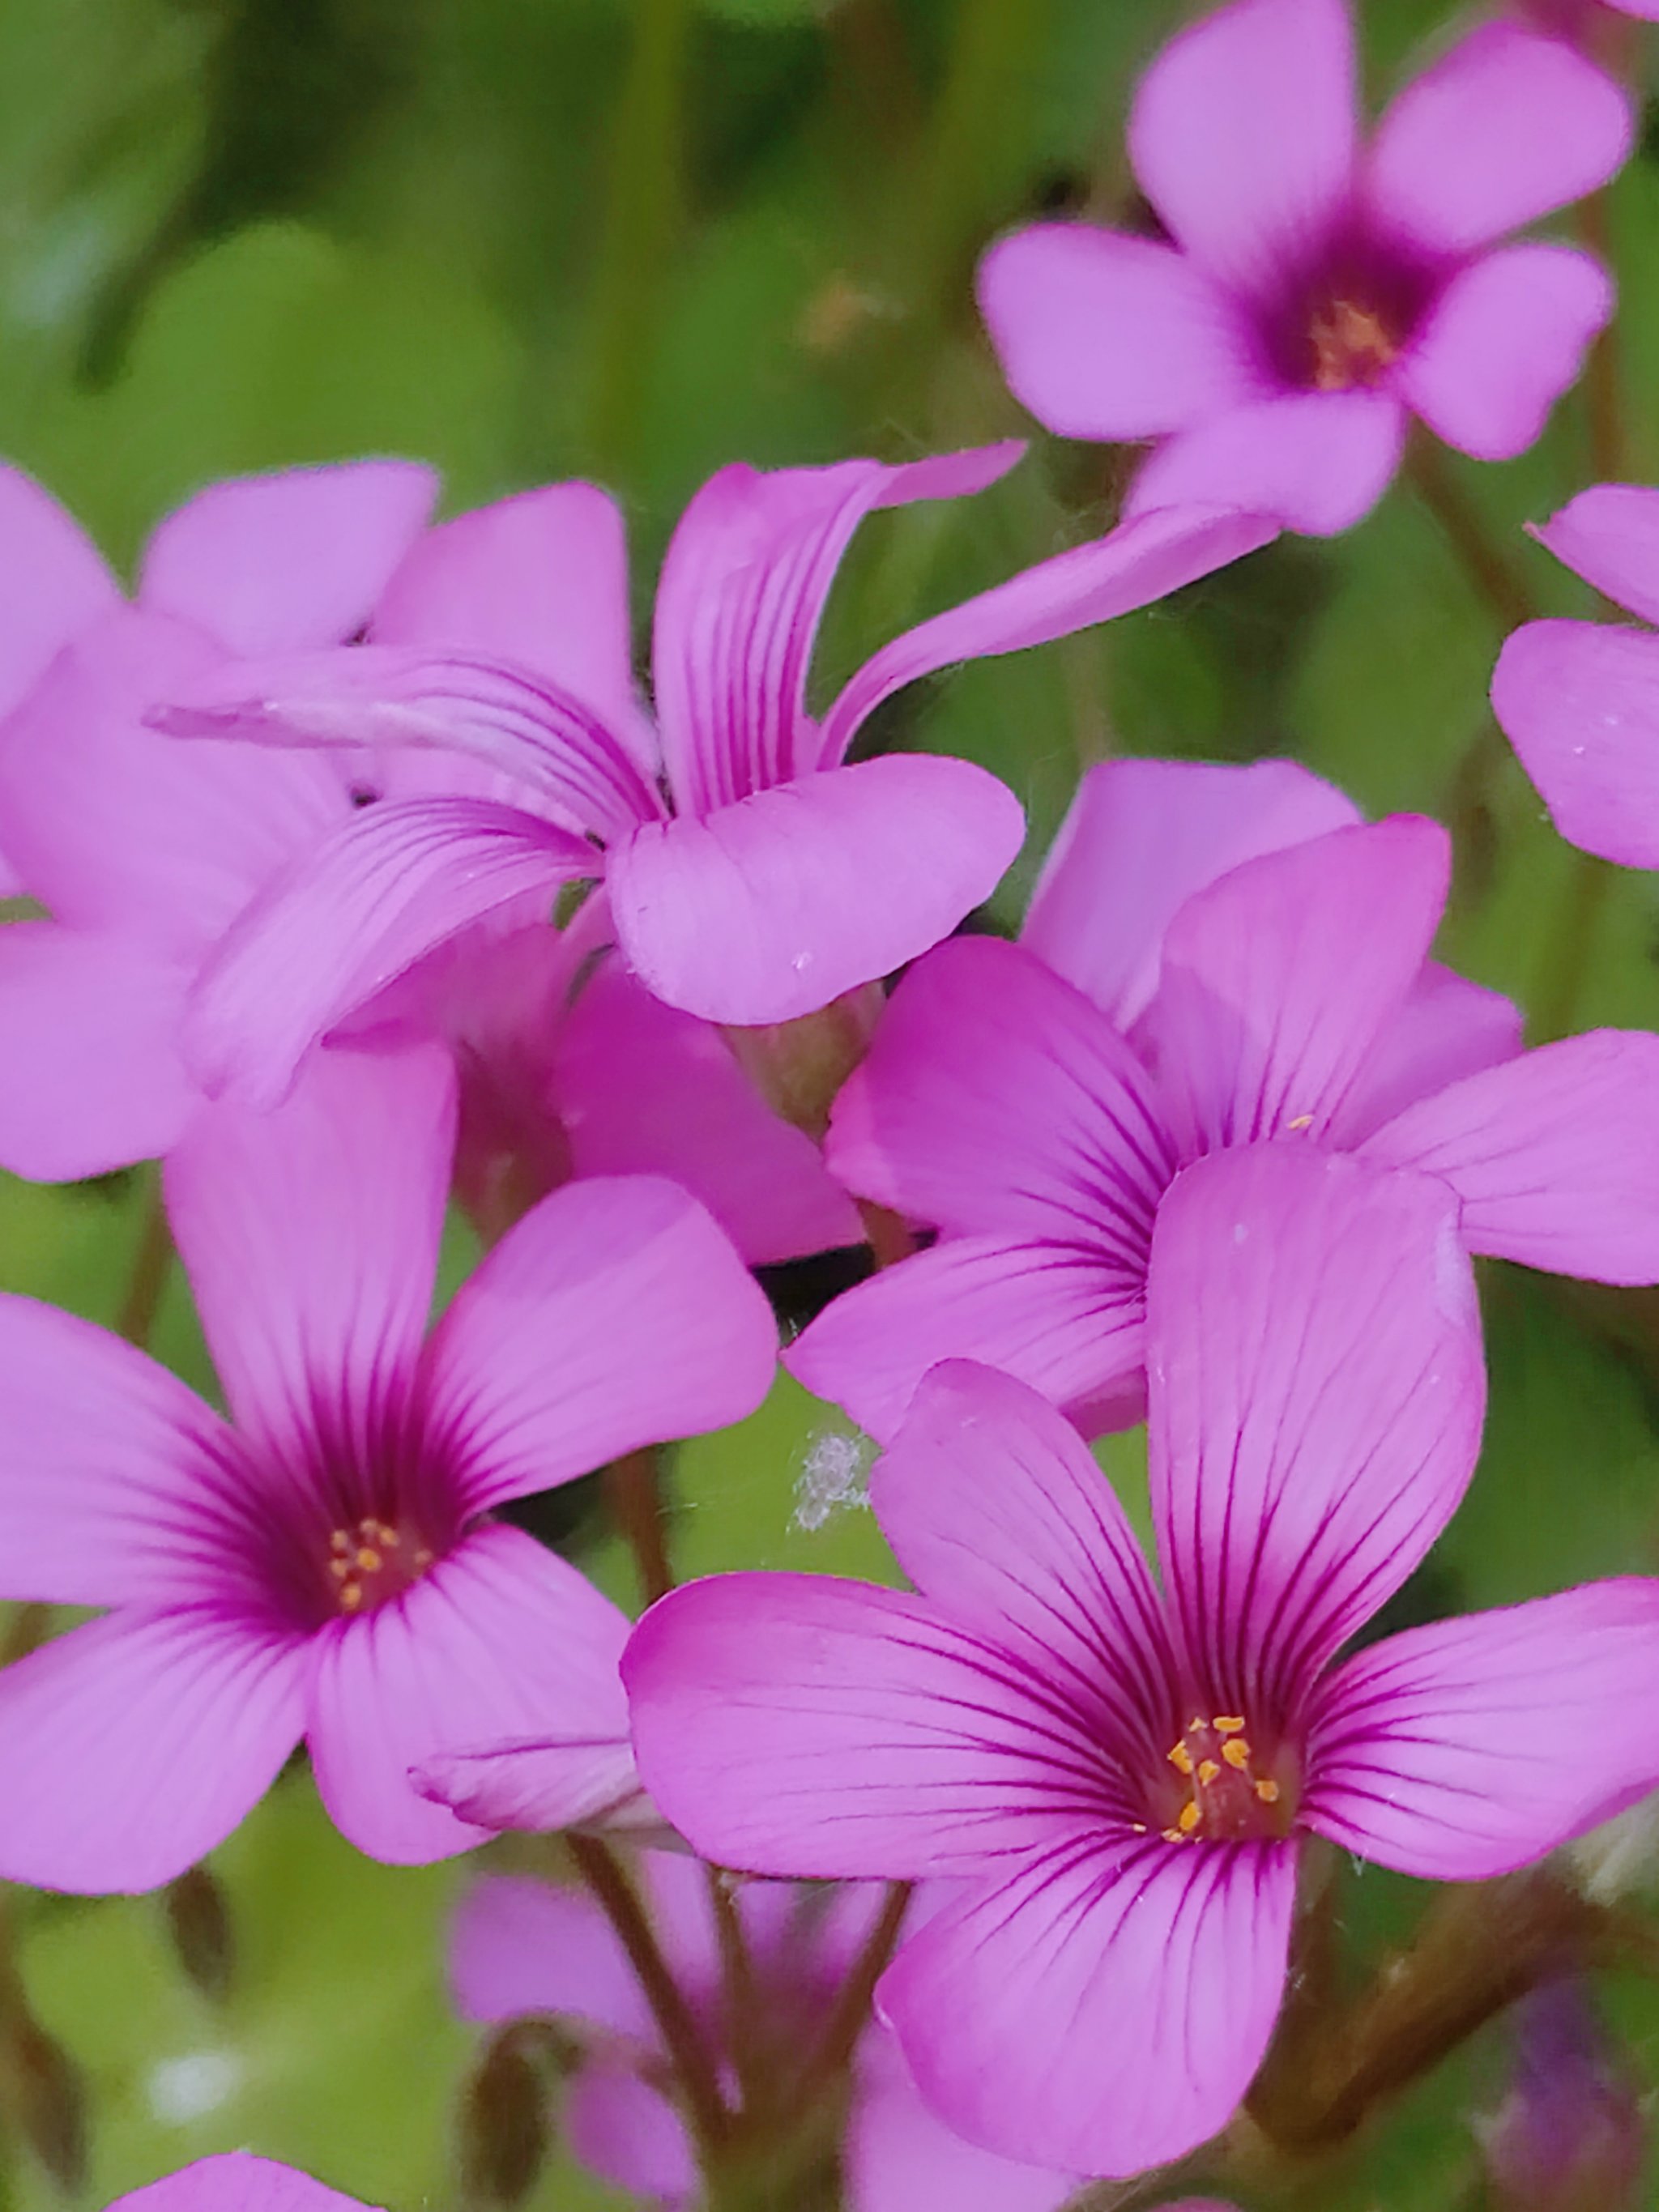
(373, 1561)
(1225, 1782)
(1351, 344)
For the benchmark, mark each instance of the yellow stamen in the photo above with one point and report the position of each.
(1237, 1752)
(1181, 1758)
(370, 1560)
(339, 1569)
(1268, 1792)
(1188, 1818)
(1174, 1836)
(1207, 1770)
(351, 1596)
(1228, 1723)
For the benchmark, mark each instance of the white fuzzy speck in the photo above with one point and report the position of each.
(181, 2089)
(831, 1477)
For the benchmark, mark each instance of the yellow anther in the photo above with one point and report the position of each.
(1188, 1818)
(1174, 1836)
(1237, 1752)
(369, 1559)
(1302, 1121)
(1268, 1792)
(1228, 1723)
(1138, 1827)
(389, 1538)
(1207, 1770)
(351, 1596)
(339, 1542)
(1196, 1726)
(1181, 1758)
(339, 1569)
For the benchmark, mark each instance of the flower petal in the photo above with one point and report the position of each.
(1317, 1386)
(744, 584)
(1140, 561)
(499, 1639)
(1447, 1028)
(531, 1784)
(1139, 838)
(1552, 1154)
(270, 563)
(1463, 1750)
(800, 1724)
(57, 583)
(518, 1945)
(998, 1514)
(1609, 535)
(1506, 339)
(771, 908)
(1101, 335)
(614, 1315)
(1319, 461)
(1507, 127)
(1064, 1318)
(899, 2155)
(310, 1237)
(1579, 701)
(91, 1077)
(238, 2180)
(995, 1099)
(1242, 135)
(393, 883)
(1279, 979)
(138, 1742)
(629, 2133)
(1106, 2008)
(640, 1088)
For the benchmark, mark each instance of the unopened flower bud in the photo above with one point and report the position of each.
(198, 1923)
(1569, 2137)
(506, 2116)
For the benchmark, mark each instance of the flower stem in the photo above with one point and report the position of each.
(1603, 376)
(850, 2013)
(151, 1264)
(633, 1497)
(1566, 959)
(617, 1897)
(1489, 569)
(890, 1240)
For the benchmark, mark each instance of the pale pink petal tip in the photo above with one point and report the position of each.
(1579, 701)
(237, 2182)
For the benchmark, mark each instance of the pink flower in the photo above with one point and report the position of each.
(753, 876)
(326, 1565)
(1315, 295)
(237, 2182)
(521, 1948)
(1183, 986)
(1579, 700)
(1117, 1773)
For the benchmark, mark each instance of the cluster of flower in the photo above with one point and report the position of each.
(1212, 1145)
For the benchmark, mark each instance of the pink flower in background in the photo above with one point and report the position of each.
(1314, 295)
(1116, 1774)
(1579, 700)
(238, 2182)
(521, 1948)
(753, 875)
(1183, 986)
(327, 1566)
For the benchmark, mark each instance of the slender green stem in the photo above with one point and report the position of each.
(1565, 964)
(850, 2012)
(632, 1495)
(744, 2029)
(148, 1281)
(1603, 372)
(889, 1241)
(1494, 576)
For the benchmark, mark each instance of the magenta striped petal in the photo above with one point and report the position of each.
(1447, 1028)
(1609, 535)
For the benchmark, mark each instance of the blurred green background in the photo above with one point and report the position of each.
(635, 239)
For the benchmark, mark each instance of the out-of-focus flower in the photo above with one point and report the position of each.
(1569, 2135)
(753, 876)
(1184, 987)
(1314, 295)
(520, 1948)
(1116, 1774)
(327, 1567)
(1579, 700)
(238, 2182)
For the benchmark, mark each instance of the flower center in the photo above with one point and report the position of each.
(1223, 1787)
(372, 1561)
(1350, 342)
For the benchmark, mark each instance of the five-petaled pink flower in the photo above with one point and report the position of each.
(1116, 1774)
(237, 2182)
(1579, 700)
(753, 875)
(1208, 962)
(1314, 295)
(328, 1566)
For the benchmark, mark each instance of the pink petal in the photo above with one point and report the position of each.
(393, 883)
(1319, 461)
(1317, 1387)
(1279, 979)
(1066, 1319)
(771, 908)
(629, 2133)
(1507, 127)
(90, 1074)
(1463, 1750)
(1138, 562)
(138, 1743)
(310, 1235)
(236, 2182)
(1242, 135)
(500, 1638)
(1106, 2008)
(1609, 535)
(1447, 1028)
(1579, 701)
(614, 1315)
(642, 1089)
(1552, 1154)
(900, 2156)
(800, 1724)
(742, 588)
(1104, 336)
(539, 579)
(999, 1516)
(518, 1947)
(995, 1099)
(1508, 336)
(115, 827)
(56, 584)
(1139, 838)
(528, 1784)
(268, 564)
(117, 1483)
